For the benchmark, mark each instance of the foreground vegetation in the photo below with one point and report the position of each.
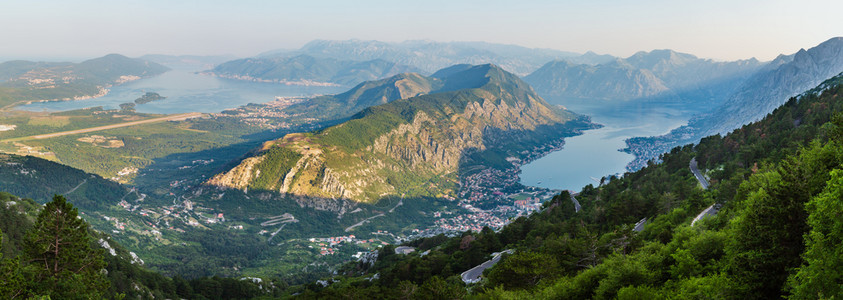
(779, 182)
(86, 264)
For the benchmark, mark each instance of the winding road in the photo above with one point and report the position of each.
(473, 275)
(714, 208)
(577, 206)
(697, 173)
(640, 225)
(400, 202)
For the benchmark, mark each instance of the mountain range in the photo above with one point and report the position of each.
(771, 86)
(776, 183)
(350, 62)
(658, 73)
(430, 56)
(414, 146)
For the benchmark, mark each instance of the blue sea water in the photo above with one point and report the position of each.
(586, 158)
(187, 91)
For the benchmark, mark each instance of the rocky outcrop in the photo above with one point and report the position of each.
(240, 176)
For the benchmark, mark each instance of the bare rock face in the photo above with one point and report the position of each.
(416, 144)
(240, 177)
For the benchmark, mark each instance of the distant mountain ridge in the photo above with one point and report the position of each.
(308, 70)
(662, 73)
(414, 146)
(188, 61)
(33, 81)
(430, 56)
(773, 85)
(349, 62)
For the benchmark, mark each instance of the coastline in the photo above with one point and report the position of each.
(102, 91)
(280, 81)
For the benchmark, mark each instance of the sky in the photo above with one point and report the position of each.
(717, 29)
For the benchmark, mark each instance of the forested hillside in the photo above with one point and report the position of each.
(777, 184)
(87, 264)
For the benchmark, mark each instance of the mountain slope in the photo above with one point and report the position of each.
(785, 77)
(32, 81)
(416, 146)
(308, 70)
(366, 94)
(663, 73)
(611, 81)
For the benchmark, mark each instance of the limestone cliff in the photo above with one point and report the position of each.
(414, 146)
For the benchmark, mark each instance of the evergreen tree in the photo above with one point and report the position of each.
(62, 262)
(767, 236)
(12, 283)
(822, 276)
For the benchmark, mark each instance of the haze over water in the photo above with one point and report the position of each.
(188, 92)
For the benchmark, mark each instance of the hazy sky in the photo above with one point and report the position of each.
(719, 29)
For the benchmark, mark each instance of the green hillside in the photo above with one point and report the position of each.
(778, 186)
(123, 272)
(417, 146)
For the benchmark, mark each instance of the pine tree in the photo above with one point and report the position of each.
(12, 282)
(821, 276)
(60, 256)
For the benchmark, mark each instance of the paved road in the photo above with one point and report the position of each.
(473, 274)
(400, 202)
(714, 208)
(697, 174)
(640, 225)
(112, 126)
(710, 211)
(349, 228)
(577, 206)
(404, 249)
